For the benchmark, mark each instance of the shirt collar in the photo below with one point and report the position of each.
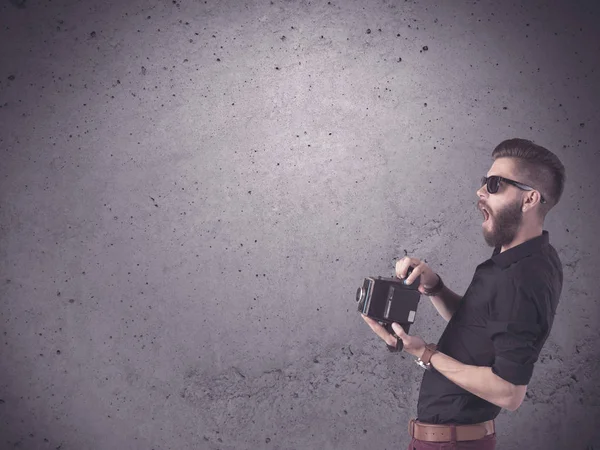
(520, 251)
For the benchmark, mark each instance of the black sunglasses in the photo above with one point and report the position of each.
(493, 184)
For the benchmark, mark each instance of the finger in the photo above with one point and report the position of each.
(414, 274)
(402, 266)
(380, 331)
(375, 326)
(399, 330)
(367, 318)
(372, 323)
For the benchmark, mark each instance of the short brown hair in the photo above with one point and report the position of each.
(536, 167)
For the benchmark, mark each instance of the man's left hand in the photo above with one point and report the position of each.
(412, 344)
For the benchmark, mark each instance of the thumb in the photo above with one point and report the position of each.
(399, 330)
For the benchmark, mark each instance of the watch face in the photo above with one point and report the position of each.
(419, 362)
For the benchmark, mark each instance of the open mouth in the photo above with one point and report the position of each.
(486, 215)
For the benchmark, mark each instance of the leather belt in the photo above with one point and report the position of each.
(443, 433)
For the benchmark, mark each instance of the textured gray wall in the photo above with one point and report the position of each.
(192, 192)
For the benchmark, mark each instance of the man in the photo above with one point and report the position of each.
(484, 359)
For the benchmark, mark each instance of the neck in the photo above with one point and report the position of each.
(524, 234)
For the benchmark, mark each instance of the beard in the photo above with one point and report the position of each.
(502, 226)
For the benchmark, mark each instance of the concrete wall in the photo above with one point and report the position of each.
(193, 191)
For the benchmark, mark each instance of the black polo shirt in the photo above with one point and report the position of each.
(502, 322)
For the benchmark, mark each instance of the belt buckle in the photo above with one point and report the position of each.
(411, 428)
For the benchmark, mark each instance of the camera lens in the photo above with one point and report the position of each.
(360, 294)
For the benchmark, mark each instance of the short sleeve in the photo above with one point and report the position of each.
(515, 328)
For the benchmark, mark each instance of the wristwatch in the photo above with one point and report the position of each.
(424, 361)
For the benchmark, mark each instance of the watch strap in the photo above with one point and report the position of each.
(398, 347)
(399, 344)
(430, 349)
(433, 291)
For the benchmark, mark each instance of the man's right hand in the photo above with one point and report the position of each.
(428, 278)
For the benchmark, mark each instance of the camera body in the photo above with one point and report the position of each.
(389, 300)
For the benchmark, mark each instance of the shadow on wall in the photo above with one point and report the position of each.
(594, 443)
(18, 3)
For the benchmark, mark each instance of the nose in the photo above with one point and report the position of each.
(482, 193)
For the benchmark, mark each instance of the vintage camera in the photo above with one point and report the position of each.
(389, 300)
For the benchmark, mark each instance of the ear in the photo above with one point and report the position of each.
(530, 199)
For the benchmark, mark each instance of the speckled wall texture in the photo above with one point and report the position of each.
(192, 191)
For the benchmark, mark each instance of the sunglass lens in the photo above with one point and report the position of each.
(492, 184)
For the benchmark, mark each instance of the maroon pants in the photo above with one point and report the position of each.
(486, 443)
